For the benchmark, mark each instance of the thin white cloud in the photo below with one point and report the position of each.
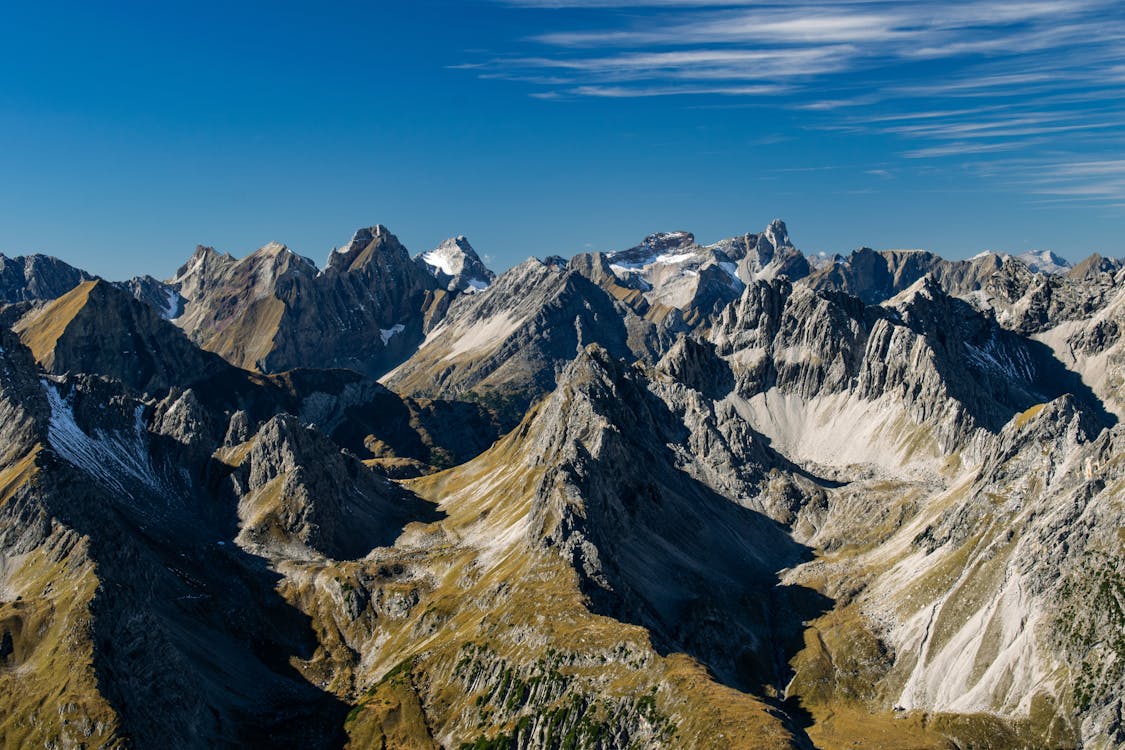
(947, 81)
(963, 148)
(624, 92)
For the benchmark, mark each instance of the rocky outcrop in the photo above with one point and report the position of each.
(876, 276)
(127, 611)
(950, 371)
(159, 295)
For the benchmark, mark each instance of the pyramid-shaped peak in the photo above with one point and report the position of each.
(272, 248)
(366, 243)
(777, 233)
(456, 266)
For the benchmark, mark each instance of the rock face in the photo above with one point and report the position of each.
(876, 276)
(126, 610)
(160, 296)
(740, 500)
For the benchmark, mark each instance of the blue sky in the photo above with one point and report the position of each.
(133, 131)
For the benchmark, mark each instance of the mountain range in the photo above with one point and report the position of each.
(673, 496)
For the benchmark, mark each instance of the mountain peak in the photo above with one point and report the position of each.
(456, 266)
(272, 248)
(365, 235)
(1044, 261)
(365, 245)
(777, 233)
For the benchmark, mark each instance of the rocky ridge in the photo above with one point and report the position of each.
(877, 502)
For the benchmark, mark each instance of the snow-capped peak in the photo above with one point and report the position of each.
(1044, 261)
(455, 264)
(449, 257)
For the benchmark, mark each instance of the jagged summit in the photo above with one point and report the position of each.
(777, 234)
(368, 244)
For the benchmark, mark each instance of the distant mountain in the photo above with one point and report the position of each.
(456, 266)
(1044, 261)
(37, 277)
(274, 310)
(677, 278)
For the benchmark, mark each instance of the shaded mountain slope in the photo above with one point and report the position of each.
(98, 328)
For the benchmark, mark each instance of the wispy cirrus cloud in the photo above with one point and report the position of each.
(945, 80)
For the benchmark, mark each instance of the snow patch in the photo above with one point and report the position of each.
(732, 270)
(389, 333)
(113, 459)
(672, 258)
(445, 259)
(172, 304)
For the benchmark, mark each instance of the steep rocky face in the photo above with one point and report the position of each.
(963, 599)
(876, 276)
(616, 495)
(37, 277)
(47, 582)
(98, 328)
(767, 254)
(582, 507)
(506, 345)
(828, 376)
(273, 310)
(1091, 341)
(456, 266)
